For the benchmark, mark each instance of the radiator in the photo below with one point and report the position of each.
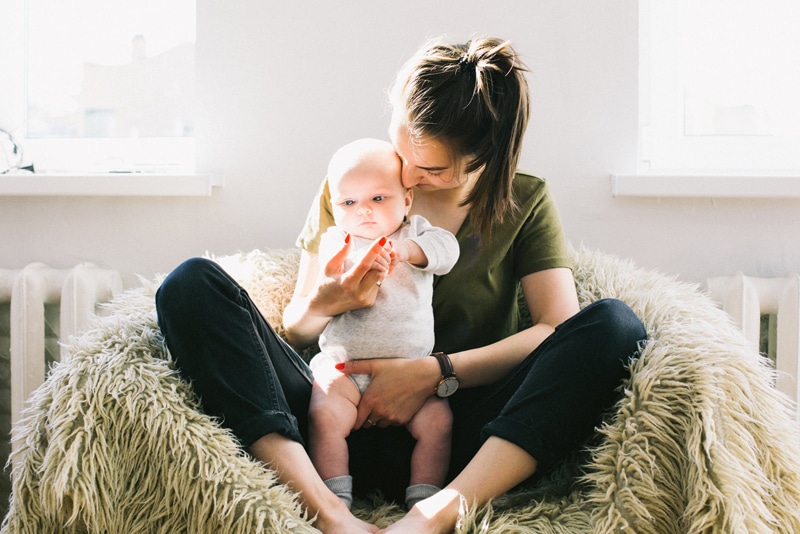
(46, 305)
(747, 299)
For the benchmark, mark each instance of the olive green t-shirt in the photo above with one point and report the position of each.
(475, 304)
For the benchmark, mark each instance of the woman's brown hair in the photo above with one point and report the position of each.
(474, 99)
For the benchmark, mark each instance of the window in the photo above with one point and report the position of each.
(100, 86)
(719, 85)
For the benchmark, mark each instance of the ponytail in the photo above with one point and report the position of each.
(474, 99)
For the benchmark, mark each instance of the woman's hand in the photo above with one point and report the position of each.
(340, 290)
(324, 291)
(397, 391)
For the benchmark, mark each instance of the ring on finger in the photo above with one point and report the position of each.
(369, 421)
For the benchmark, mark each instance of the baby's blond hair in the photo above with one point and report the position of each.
(365, 151)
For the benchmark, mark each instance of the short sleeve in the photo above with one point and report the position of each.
(318, 220)
(540, 242)
(476, 303)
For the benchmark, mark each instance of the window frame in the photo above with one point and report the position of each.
(672, 180)
(78, 156)
(663, 147)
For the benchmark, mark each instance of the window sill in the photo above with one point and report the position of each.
(131, 184)
(686, 185)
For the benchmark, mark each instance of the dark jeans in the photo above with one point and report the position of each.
(255, 383)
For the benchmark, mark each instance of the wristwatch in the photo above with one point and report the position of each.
(449, 383)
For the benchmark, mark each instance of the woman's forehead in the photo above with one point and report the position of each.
(424, 152)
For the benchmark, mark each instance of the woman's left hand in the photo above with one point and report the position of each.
(397, 390)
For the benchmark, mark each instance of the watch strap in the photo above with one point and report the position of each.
(444, 363)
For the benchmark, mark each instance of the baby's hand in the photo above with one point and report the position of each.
(409, 251)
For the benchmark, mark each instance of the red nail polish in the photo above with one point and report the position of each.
(382, 241)
(347, 238)
(339, 366)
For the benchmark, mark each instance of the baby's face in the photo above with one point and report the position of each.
(369, 200)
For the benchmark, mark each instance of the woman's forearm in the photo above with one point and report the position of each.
(302, 326)
(307, 314)
(304, 319)
(551, 299)
(489, 364)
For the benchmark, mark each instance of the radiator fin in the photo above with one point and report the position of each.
(755, 303)
(39, 306)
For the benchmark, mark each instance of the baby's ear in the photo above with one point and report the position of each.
(409, 199)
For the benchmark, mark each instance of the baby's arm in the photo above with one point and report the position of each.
(428, 247)
(438, 246)
(407, 250)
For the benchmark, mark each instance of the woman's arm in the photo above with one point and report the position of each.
(322, 292)
(399, 387)
(499, 465)
(551, 299)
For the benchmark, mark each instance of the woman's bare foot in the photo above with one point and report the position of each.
(339, 520)
(293, 467)
(435, 515)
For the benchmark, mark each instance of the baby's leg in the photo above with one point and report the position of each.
(431, 427)
(331, 414)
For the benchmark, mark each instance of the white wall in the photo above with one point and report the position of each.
(282, 84)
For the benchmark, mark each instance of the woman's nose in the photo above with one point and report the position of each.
(409, 176)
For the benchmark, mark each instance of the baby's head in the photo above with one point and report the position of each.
(367, 196)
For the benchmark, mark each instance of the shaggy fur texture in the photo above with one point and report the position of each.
(115, 442)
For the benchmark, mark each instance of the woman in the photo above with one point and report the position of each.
(525, 398)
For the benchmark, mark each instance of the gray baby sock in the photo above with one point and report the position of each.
(342, 487)
(419, 492)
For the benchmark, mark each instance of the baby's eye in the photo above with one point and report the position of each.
(378, 198)
(349, 202)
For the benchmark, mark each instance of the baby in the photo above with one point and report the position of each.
(370, 203)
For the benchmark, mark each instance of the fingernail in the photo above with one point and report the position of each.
(347, 238)
(339, 366)
(382, 241)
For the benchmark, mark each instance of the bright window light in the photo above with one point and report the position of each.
(103, 86)
(719, 85)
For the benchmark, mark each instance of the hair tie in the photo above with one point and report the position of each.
(464, 63)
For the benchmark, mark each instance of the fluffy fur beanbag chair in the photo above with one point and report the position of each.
(114, 442)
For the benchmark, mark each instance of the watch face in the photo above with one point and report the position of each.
(447, 387)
